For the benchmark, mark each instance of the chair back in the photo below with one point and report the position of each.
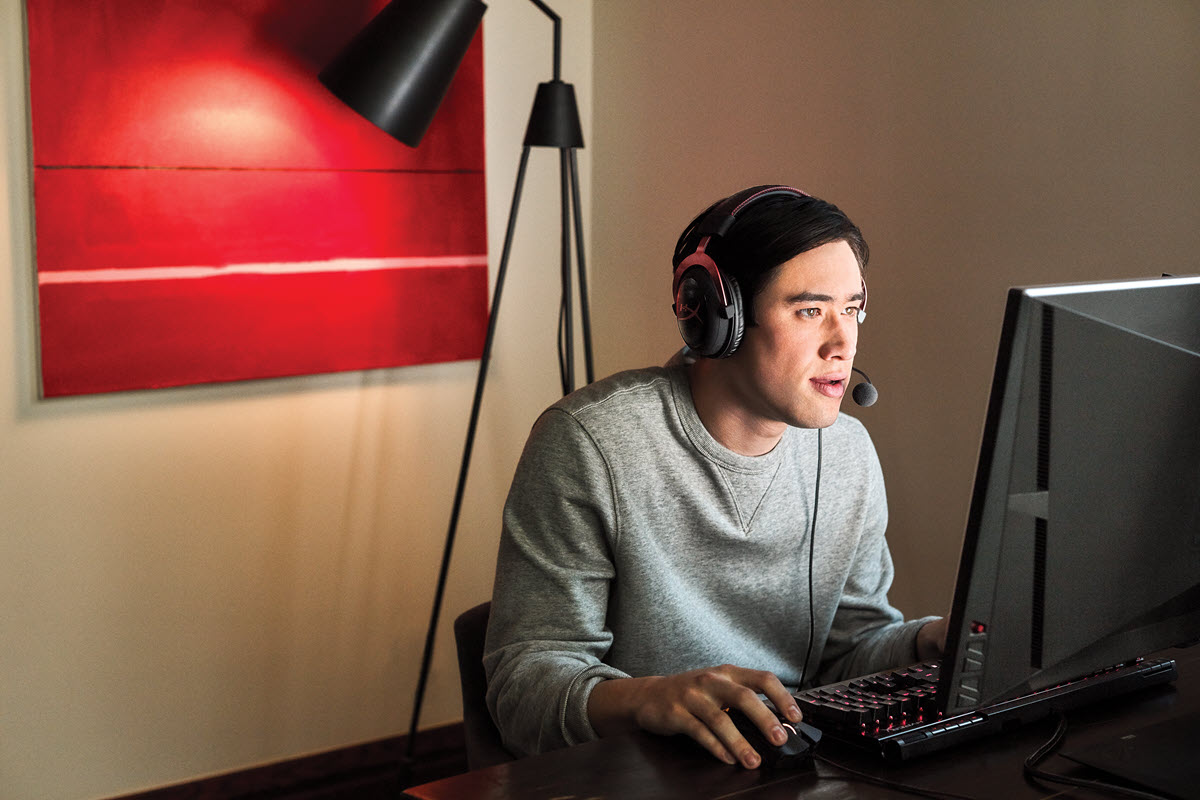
(484, 746)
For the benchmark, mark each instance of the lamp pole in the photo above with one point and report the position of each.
(553, 122)
(395, 72)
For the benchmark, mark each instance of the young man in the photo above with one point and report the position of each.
(683, 540)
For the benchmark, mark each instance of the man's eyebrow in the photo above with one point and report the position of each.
(814, 297)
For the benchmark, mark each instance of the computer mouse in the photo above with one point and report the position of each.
(795, 753)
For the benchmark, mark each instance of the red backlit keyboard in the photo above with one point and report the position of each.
(896, 713)
(868, 706)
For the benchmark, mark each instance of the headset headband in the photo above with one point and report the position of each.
(716, 222)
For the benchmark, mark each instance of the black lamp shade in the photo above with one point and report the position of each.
(396, 70)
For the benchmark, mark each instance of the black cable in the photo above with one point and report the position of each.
(855, 775)
(1047, 749)
(812, 545)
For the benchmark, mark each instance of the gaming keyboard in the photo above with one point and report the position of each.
(898, 713)
(875, 703)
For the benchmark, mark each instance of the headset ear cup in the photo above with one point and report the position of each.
(737, 325)
(698, 309)
(707, 326)
(698, 312)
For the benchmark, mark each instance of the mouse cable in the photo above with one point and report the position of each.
(1047, 749)
(812, 545)
(856, 775)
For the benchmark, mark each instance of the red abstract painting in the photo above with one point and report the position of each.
(206, 211)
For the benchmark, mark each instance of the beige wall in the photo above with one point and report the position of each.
(203, 579)
(978, 145)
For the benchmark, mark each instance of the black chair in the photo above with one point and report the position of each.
(484, 746)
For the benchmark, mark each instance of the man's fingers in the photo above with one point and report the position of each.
(725, 729)
(704, 720)
(694, 704)
(786, 704)
(711, 742)
(768, 684)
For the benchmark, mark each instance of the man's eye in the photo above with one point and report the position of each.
(852, 311)
(809, 313)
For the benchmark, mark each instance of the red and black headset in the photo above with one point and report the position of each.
(707, 303)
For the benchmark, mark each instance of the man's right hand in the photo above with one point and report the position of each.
(694, 703)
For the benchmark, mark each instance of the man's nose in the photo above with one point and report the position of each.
(841, 338)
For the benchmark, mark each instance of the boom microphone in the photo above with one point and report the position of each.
(865, 393)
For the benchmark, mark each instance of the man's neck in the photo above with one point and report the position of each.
(726, 416)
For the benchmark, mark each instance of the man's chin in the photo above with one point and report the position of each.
(822, 420)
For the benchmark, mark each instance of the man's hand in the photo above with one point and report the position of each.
(931, 639)
(694, 703)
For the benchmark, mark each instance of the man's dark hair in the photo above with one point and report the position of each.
(773, 230)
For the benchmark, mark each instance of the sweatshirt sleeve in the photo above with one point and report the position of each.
(869, 634)
(547, 635)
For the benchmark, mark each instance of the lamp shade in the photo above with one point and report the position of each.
(396, 70)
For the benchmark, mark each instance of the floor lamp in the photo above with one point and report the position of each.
(395, 73)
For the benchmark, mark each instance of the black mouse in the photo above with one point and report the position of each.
(795, 753)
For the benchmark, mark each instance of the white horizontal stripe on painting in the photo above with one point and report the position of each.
(119, 275)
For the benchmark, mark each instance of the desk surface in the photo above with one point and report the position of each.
(646, 766)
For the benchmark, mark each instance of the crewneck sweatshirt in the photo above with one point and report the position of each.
(635, 544)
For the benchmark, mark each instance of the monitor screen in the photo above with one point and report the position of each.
(1082, 548)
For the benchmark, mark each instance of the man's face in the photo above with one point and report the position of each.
(794, 365)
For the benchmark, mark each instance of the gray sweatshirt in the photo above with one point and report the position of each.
(635, 544)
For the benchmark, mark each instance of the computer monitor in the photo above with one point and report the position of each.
(1082, 547)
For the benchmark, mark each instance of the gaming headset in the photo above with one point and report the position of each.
(708, 304)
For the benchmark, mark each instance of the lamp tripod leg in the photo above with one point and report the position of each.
(485, 357)
(566, 320)
(585, 318)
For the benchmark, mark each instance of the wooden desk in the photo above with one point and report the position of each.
(646, 766)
